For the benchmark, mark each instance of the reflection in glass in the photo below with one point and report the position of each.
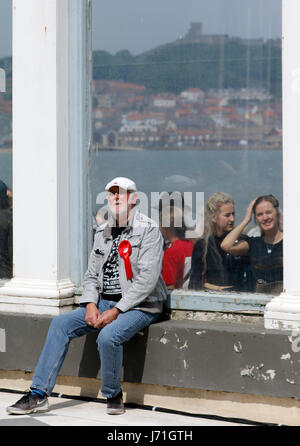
(212, 268)
(5, 232)
(265, 252)
(6, 141)
(197, 112)
(178, 249)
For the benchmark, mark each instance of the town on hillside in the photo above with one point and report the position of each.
(142, 115)
(126, 116)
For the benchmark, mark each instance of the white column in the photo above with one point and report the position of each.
(284, 311)
(41, 221)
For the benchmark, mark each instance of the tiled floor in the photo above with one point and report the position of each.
(74, 412)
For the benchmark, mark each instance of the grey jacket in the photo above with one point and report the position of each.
(146, 290)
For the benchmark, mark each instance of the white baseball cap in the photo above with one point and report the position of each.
(123, 183)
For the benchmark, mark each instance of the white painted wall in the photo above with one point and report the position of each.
(40, 154)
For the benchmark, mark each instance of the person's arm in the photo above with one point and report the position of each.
(196, 279)
(90, 292)
(91, 314)
(230, 243)
(106, 317)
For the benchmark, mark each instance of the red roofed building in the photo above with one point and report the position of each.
(193, 95)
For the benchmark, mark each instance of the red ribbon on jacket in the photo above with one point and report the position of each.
(125, 251)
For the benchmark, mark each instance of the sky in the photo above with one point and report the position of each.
(139, 25)
(5, 27)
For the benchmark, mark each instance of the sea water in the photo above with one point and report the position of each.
(6, 168)
(244, 174)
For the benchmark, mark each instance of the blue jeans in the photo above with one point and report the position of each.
(66, 327)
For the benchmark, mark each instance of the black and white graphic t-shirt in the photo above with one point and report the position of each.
(111, 284)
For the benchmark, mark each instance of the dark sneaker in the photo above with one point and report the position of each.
(29, 403)
(115, 405)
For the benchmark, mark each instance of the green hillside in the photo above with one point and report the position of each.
(175, 67)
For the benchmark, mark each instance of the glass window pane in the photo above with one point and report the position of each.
(187, 98)
(6, 140)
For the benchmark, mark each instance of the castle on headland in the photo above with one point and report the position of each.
(195, 35)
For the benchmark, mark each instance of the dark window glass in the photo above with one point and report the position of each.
(6, 140)
(187, 98)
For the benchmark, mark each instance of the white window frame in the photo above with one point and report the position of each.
(50, 174)
(51, 140)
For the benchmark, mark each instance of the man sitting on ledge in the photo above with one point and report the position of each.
(123, 292)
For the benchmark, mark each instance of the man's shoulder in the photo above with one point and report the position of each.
(142, 220)
(100, 228)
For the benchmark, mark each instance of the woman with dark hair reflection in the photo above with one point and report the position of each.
(265, 252)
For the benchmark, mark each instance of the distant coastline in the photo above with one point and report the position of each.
(5, 150)
(166, 149)
(188, 148)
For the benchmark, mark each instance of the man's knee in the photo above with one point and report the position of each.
(57, 323)
(107, 338)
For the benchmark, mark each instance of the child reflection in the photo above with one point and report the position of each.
(265, 252)
(177, 255)
(5, 233)
(213, 268)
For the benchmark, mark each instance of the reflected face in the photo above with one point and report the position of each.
(266, 216)
(120, 202)
(224, 219)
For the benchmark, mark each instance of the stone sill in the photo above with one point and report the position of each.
(234, 355)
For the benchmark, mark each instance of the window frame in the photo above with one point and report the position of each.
(78, 204)
(193, 300)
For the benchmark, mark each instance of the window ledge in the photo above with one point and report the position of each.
(217, 301)
(189, 300)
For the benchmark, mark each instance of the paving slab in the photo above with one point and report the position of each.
(75, 412)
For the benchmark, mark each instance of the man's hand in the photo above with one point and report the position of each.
(107, 317)
(92, 314)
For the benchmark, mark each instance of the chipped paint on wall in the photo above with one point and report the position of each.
(290, 381)
(257, 373)
(286, 356)
(237, 347)
(163, 339)
(271, 373)
(185, 345)
(295, 343)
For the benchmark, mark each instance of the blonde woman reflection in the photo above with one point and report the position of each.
(213, 268)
